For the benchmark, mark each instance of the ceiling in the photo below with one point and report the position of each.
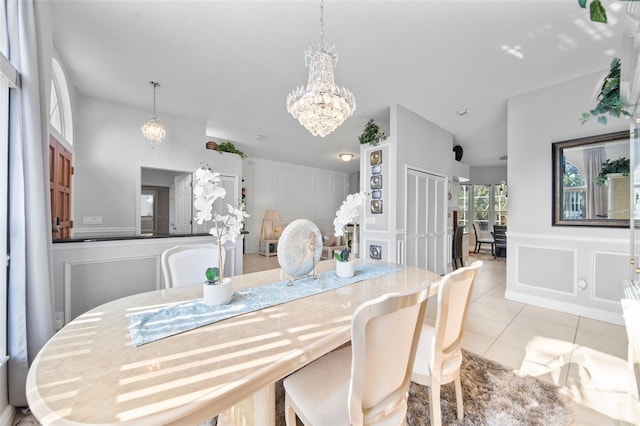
(232, 64)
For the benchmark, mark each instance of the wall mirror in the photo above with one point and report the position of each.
(591, 181)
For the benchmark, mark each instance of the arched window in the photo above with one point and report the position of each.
(60, 106)
(574, 192)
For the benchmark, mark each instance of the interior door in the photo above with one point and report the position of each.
(183, 204)
(426, 221)
(60, 171)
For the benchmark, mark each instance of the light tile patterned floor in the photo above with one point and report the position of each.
(587, 358)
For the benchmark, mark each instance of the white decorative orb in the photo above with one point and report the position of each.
(299, 247)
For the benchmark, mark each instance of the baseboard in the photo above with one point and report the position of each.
(583, 311)
(8, 415)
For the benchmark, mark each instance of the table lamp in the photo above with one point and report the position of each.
(270, 216)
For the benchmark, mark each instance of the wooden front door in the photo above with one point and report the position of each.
(60, 171)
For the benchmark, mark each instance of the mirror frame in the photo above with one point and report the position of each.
(557, 151)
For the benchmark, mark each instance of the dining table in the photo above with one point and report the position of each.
(91, 373)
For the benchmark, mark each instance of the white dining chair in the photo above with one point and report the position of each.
(367, 382)
(184, 265)
(439, 354)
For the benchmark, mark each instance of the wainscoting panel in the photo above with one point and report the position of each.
(577, 273)
(89, 273)
(90, 284)
(547, 268)
(610, 270)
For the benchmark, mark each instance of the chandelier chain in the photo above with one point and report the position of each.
(321, 24)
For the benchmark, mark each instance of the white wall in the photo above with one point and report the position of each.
(545, 262)
(296, 192)
(109, 149)
(420, 143)
(488, 175)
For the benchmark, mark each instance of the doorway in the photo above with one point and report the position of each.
(60, 171)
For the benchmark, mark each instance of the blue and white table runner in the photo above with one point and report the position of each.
(149, 326)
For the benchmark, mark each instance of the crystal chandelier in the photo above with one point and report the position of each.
(153, 129)
(322, 106)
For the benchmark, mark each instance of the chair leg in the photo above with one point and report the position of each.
(458, 387)
(434, 404)
(289, 412)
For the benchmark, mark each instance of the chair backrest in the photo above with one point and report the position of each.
(500, 235)
(475, 232)
(454, 298)
(457, 242)
(384, 336)
(184, 265)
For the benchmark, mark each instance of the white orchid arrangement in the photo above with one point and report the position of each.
(347, 213)
(227, 227)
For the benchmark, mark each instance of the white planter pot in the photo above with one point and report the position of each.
(217, 294)
(345, 269)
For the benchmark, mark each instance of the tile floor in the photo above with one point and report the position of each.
(587, 358)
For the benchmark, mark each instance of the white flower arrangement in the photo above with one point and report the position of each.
(347, 213)
(206, 191)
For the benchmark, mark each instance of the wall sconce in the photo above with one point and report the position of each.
(345, 156)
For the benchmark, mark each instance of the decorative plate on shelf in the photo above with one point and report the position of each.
(376, 157)
(299, 248)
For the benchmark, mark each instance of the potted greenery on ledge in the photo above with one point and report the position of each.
(372, 134)
(226, 146)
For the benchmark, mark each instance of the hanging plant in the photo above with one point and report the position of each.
(372, 134)
(621, 165)
(230, 147)
(609, 101)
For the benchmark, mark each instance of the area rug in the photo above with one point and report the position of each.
(493, 395)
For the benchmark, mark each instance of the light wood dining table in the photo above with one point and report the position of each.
(91, 373)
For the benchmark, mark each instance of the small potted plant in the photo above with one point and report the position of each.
(216, 292)
(348, 213)
(372, 134)
(206, 191)
(226, 146)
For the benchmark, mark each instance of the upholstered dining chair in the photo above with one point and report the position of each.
(480, 241)
(439, 354)
(184, 265)
(366, 383)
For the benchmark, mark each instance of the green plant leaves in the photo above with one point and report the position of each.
(212, 274)
(621, 165)
(230, 147)
(371, 134)
(609, 101)
(342, 256)
(597, 12)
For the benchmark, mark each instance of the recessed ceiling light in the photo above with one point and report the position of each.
(462, 112)
(258, 136)
(345, 156)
